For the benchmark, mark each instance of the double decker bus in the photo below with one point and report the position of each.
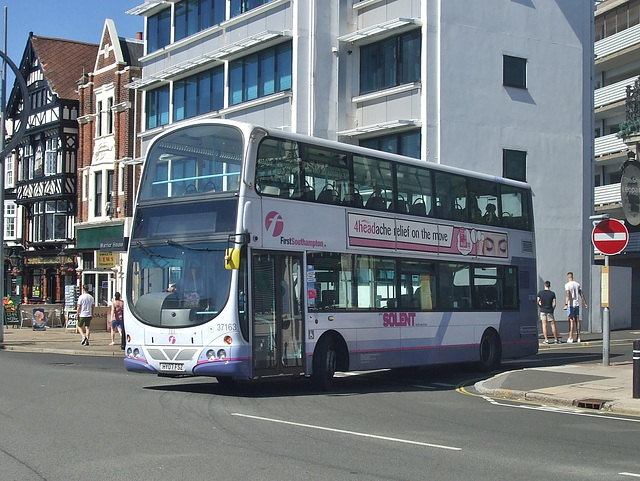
(257, 253)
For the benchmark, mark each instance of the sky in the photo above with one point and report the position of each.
(80, 20)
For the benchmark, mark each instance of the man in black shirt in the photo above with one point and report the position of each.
(547, 304)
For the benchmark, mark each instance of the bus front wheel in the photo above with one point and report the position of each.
(490, 350)
(324, 363)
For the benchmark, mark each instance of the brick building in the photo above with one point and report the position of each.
(106, 174)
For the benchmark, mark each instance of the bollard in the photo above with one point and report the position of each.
(636, 369)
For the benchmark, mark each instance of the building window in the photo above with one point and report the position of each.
(88, 261)
(9, 221)
(110, 185)
(405, 143)
(193, 16)
(514, 72)
(50, 220)
(109, 116)
(260, 74)
(8, 173)
(514, 164)
(159, 30)
(99, 119)
(97, 208)
(26, 163)
(51, 157)
(241, 6)
(157, 105)
(390, 62)
(198, 94)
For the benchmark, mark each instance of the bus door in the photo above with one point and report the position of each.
(277, 338)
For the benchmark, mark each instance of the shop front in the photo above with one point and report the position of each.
(44, 277)
(102, 249)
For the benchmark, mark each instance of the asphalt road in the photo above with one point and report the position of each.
(73, 417)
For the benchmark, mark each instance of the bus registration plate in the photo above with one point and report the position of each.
(171, 366)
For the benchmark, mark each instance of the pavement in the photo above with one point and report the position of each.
(590, 386)
(58, 340)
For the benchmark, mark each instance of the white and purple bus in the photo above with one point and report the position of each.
(257, 253)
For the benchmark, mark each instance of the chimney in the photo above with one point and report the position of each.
(139, 35)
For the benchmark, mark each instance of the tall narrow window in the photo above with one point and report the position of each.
(110, 116)
(99, 119)
(110, 185)
(98, 195)
(159, 30)
(8, 173)
(514, 72)
(157, 107)
(9, 221)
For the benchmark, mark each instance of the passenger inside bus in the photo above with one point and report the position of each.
(490, 217)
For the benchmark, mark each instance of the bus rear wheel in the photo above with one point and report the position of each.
(490, 350)
(324, 363)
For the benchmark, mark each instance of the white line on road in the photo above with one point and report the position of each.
(351, 433)
(560, 410)
(633, 475)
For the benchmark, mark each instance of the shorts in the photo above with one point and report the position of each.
(547, 316)
(84, 321)
(573, 311)
(115, 323)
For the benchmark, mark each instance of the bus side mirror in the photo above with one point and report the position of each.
(232, 258)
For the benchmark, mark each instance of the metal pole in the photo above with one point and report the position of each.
(636, 369)
(606, 331)
(2, 135)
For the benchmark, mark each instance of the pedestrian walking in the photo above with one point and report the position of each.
(547, 304)
(573, 293)
(117, 317)
(86, 307)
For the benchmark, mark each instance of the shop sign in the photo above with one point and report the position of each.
(105, 260)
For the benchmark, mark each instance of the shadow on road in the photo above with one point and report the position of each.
(431, 378)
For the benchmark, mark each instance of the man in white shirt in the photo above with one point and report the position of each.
(86, 306)
(572, 305)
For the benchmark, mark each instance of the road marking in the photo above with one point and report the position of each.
(633, 475)
(351, 433)
(560, 410)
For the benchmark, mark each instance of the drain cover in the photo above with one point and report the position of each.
(591, 403)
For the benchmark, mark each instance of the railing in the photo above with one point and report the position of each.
(607, 194)
(612, 93)
(609, 144)
(617, 42)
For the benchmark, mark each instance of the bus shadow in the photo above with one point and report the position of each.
(432, 378)
(445, 377)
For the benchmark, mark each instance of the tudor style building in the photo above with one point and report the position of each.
(44, 165)
(107, 178)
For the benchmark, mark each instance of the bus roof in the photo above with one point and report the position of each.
(248, 128)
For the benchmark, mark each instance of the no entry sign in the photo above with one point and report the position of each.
(610, 236)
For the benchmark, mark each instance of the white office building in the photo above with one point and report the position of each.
(501, 87)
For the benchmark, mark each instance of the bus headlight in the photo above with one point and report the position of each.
(211, 355)
(129, 351)
(222, 354)
(136, 353)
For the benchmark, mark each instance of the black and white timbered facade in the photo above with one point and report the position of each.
(45, 163)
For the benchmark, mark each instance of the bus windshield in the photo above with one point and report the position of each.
(193, 161)
(176, 284)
